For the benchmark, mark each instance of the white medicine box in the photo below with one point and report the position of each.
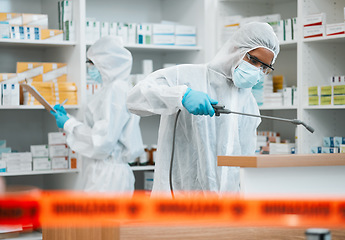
(39, 151)
(56, 138)
(58, 150)
(10, 94)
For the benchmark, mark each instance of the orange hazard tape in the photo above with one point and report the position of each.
(85, 209)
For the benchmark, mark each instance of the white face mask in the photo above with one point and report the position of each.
(246, 75)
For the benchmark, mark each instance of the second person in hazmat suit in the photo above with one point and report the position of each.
(110, 136)
(240, 64)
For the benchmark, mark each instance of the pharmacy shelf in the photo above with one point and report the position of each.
(327, 39)
(35, 43)
(162, 47)
(26, 107)
(143, 168)
(39, 172)
(151, 47)
(288, 45)
(325, 107)
(277, 108)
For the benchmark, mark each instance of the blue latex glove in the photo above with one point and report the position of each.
(60, 118)
(198, 103)
(60, 108)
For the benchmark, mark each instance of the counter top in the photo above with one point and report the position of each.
(291, 160)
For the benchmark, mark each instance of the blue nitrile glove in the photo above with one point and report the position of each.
(198, 103)
(60, 118)
(60, 108)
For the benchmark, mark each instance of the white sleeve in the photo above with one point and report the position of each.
(98, 142)
(158, 93)
(248, 127)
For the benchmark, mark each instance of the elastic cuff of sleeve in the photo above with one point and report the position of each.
(70, 124)
(185, 90)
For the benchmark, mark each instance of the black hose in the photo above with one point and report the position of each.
(172, 156)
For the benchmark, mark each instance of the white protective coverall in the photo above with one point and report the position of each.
(110, 136)
(200, 139)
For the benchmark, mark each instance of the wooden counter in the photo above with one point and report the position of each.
(292, 160)
(296, 174)
(180, 232)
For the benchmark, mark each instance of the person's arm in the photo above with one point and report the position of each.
(99, 141)
(159, 93)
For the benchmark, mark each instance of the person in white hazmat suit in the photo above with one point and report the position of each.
(110, 136)
(240, 64)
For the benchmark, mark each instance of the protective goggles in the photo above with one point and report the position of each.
(266, 69)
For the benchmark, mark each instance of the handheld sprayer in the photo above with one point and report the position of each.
(219, 109)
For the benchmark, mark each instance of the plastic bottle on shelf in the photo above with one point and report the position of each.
(144, 158)
(153, 154)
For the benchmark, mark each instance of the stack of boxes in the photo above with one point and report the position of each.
(24, 26)
(42, 71)
(54, 93)
(40, 157)
(331, 145)
(66, 23)
(163, 34)
(315, 26)
(18, 162)
(49, 79)
(338, 84)
(333, 94)
(275, 93)
(142, 33)
(185, 35)
(286, 30)
(275, 97)
(56, 155)
(58, 150)
(269, 142)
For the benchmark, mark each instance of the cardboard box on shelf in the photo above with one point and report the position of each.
(11, 18)
(29, 69)
(54, 70)
(52, 34)
(35, 20)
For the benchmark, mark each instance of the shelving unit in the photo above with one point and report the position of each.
(304, 63)
(33, 124)
(31, 127)
(319, 59)
(39, 172)
(277, 108)
(286, 63)
(151, 47)
(27, 107)
(143, 168)
(35, 43)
